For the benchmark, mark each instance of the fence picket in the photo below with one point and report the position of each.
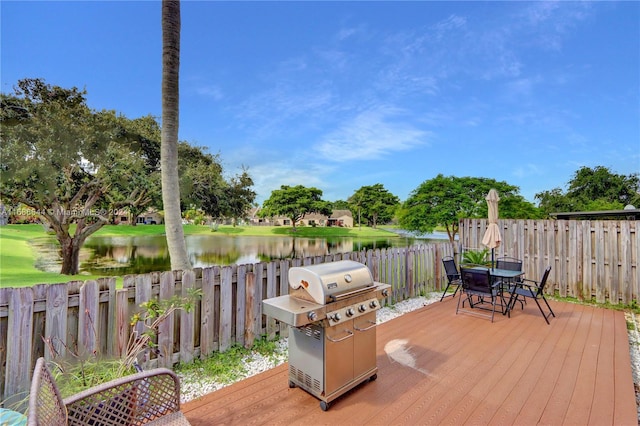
(20, 360)
(122, 318)
(226, 303)
(250, 318)
(187, 321)
(55, 334)
(208, 312)
(166, 341)
(241, 303)
(88, 319)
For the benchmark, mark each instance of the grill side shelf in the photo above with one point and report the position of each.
(293, 311)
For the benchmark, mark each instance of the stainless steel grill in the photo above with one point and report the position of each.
(331, 313)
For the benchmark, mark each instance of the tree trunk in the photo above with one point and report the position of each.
(70, 250)
(169, 138)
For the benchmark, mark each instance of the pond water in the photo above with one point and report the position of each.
(109, 256)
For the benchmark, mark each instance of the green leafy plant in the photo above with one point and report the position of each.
(476, 257)
(78, 371)
(153, 313)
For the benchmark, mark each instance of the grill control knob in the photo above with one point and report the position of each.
(336, 317)
(312, 316)
(362, 308)
(373, 304)
(350, 312)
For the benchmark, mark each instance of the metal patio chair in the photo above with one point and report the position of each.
(146, 398)
(533, 290)
(478, 283)
(453, 276)
(511, 264)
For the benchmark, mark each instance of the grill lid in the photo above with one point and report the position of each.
(328, 282)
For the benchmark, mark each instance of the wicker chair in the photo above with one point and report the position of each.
(146, 398)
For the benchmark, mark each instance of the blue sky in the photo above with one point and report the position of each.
(338, 95)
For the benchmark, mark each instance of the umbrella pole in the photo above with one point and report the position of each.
(492, 258)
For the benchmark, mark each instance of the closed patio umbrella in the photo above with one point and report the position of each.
(492, 236)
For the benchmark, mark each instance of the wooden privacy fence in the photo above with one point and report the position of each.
(92, 318)
(588, 258)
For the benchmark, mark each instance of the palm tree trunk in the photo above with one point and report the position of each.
(169, 145)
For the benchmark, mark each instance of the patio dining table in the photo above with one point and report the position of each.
(505, 277)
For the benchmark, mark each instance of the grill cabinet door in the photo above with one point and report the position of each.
(338, 369)
(364, 355)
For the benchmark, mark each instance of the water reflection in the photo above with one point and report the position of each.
(134, 255)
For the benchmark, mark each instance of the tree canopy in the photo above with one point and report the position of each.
(374, 204)
(592, 189)
(53, 160)
(444, 200)
(294, 202)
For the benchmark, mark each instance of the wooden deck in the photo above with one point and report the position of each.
(466, 370)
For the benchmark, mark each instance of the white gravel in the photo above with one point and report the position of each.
(194, 386)
(634, 350)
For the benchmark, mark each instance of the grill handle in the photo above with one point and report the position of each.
(365, 329)
(349, 334)
(335, 298)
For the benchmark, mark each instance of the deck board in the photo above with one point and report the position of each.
(466, 370)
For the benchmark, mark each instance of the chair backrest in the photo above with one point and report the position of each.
(450, 268)
(476, 280)
(45, 403)
(543, 281)
(509, 263)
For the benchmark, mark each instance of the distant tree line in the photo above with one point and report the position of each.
(442, 201)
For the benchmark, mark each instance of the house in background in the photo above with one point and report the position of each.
(150, 217)
(342, 218)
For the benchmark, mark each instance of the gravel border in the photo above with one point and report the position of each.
(195, 385)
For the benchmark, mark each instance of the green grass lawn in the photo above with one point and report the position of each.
(285, 231)
(18, 257)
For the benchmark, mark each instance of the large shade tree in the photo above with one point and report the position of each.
(135, 180)
(169, 146)
(444, 200)
(239, 196)
(592, 189)
(57, 157)
(374, 203)
(295, 202)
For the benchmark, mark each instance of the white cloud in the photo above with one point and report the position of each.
(526, 170)
(270, 176)
(213, 92)
(371, 135)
